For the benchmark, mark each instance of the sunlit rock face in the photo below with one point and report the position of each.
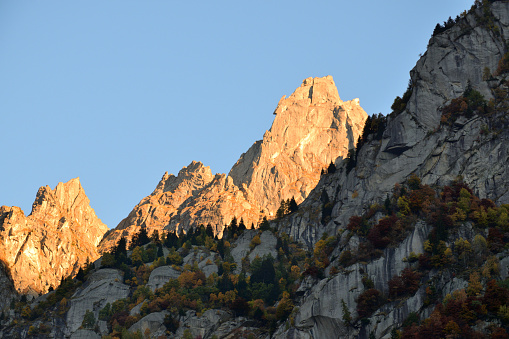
(311, 129)
(60, 235)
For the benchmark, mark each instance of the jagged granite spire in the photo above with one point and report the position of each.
(312, 128)
(59, 236)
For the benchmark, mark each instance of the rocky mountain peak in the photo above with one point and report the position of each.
(321, 90)
(311, 129)
(425, 252)
(59, 236)
(313, 90)
(195, 174)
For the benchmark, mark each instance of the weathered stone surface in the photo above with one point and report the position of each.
(241, 247)
(413, 142)
(7, 290)
(59, 236)
(452, 59)
(321, 310)
(312, 128)
(204, 259)
(203, 326)
(504, 267)
(136, 309)
(85, 334)
(161, 276)
(267, 246)
(151, 324)
(102, 287)
(155, 210)
(217, 205)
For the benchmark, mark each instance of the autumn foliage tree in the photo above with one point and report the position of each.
(368, 302)
(379, 235)
(407, 283)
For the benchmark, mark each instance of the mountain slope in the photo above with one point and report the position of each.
(313, 127)
(403, 240)
(451, 125)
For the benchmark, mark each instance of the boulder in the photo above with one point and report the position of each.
(152, 324)
(160, 276)
(85, 334)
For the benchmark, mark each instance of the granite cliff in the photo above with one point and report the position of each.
(58, 237)
(418, 139)
(421, 138)
(312, 128)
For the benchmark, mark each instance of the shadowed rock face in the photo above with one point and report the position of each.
(7, 291)
(103, 287)
(279, 165)
(415, 142)
(312, 128)
(59, 236)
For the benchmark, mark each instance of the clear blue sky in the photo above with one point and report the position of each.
(117, 92)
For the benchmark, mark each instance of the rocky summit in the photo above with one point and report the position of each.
(54, 241)
(312, 128)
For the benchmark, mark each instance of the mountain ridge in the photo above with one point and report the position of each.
(285, 164)
(407, 236)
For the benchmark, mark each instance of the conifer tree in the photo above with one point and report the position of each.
(265, 225)
(154, 237)
(140, 239)
(242, 226)
(293, 207)
(209, 231)
(332, 168)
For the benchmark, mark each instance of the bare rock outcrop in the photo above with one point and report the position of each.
(55, 240)
(152, 323)
(312, 128)
(103, 287)
(321, 307)
(156, 210)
